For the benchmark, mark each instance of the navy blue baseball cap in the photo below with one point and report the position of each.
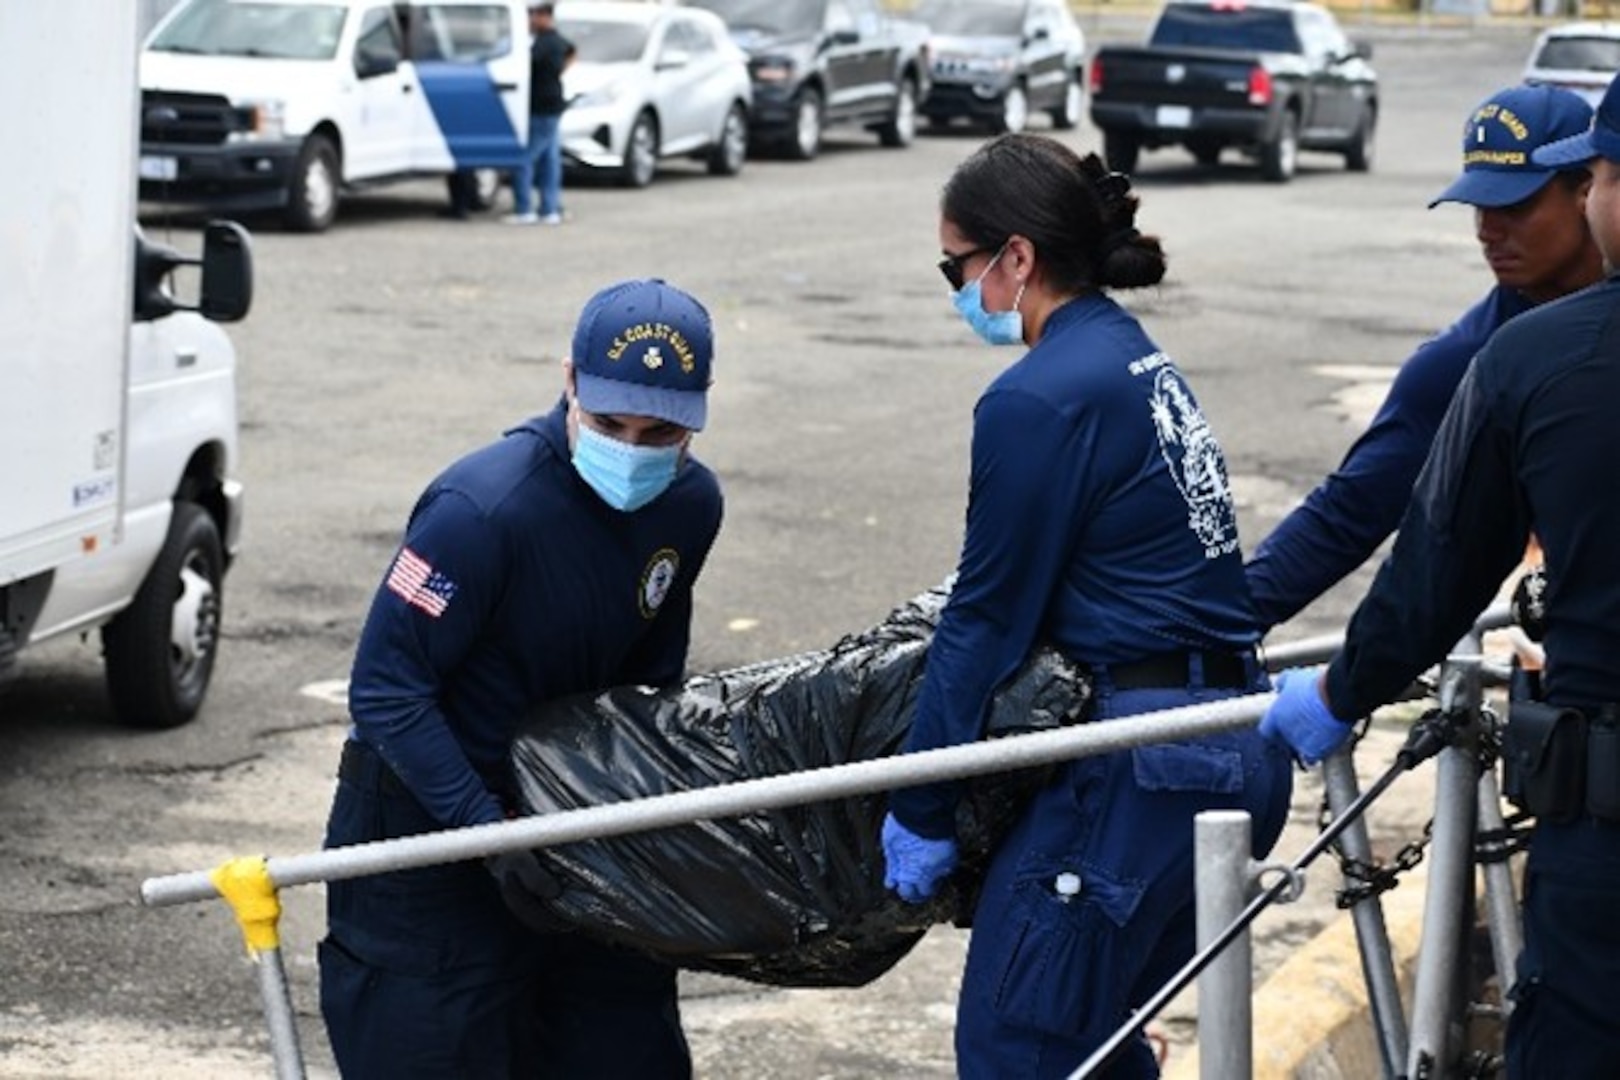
(1602, 139)
(644, 348)
(1501, 161)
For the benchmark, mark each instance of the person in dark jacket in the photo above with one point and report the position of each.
(559, 559)
(1528, 444)
(549, 56)
(1532, 232)
(1099, 519)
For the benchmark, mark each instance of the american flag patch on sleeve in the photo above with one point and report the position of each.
(415, 581)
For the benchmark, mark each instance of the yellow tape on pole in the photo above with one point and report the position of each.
(245, 884)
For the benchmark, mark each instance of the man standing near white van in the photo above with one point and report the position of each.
(549, 55)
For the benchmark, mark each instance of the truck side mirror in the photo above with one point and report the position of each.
(227, 272)
(226, 291)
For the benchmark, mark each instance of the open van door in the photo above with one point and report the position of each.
(472, 61)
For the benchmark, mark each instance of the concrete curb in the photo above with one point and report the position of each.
(1311, 1017)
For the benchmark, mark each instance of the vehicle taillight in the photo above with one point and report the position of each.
(1096, 77)
(1259, 86)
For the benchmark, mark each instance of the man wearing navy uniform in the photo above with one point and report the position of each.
(560, 559)
(1529, 443)
(1530, 222)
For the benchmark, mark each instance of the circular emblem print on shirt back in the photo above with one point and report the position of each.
(656, 580)
(1196, 463)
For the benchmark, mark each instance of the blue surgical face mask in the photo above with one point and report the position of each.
(627, 477)
(995, 327)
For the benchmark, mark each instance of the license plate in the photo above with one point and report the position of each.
(1174, 116)
(158, 168)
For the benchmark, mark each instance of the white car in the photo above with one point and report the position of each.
(1582, 57)
(651, 82)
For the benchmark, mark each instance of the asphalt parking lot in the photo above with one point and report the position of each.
(379, 351)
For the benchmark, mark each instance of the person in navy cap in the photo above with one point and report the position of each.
(557, 560)
(1532, 231)
(1529, 444)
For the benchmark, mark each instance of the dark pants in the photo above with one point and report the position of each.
(425, 974)
(1565, 1021)
(1049, 979)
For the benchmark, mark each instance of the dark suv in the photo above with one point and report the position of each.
(994, 62)
(816, 63)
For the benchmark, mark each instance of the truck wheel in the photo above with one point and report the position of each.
(1279, 157)
(486, 187)
(805, 138)
(1120, 151)
(1067, 115)
(1359, 152)
(1014, 111)
(312, 196)
(901, 128)
(160, 650)
(731, 149)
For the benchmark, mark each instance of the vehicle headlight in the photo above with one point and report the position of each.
(262, 120)
(773, 69)
(595, 99)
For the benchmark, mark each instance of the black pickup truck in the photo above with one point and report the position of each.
(1268, 77)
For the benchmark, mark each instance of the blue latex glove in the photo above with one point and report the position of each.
(1300, 718)
(914, 865)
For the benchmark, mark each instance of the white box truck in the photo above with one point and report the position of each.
(120, 509)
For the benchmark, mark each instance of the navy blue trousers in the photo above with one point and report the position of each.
(1048, 980)
(1565, 1021)
(424, 973)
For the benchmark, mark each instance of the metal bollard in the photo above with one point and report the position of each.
(1224, 877)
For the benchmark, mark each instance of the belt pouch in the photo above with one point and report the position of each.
(1603, 769)
(1544, 760)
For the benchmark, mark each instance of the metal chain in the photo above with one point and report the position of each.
(1365, 880)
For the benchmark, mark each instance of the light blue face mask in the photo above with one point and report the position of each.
(626, 477)
(995, 327)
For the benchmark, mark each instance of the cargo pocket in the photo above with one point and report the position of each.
(1066, 966)
(1188, 767)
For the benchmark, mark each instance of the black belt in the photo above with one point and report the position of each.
(1222, 671)
(363, 767)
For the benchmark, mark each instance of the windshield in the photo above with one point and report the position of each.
(236, 28)
(771, 16)
(605, 42)
(1580, 54)
(1226, 26)
(972, 20)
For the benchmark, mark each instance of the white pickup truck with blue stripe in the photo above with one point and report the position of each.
(265, 104)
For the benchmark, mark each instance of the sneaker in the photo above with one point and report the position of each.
(521, 219)
(552, 219)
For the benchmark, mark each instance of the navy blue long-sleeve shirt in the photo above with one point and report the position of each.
(1529, 443)
(1099, 518)
(516, 584)
(1342, 522)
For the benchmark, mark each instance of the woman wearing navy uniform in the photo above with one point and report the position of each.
(1100, 520)
(559, 559)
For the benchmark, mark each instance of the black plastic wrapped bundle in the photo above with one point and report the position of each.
(787, 897)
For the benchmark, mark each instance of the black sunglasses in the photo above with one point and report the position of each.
(951, 266)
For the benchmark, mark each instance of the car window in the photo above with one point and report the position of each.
(1226, 27)
(677, 39)
(839, 17)
(769, 16)
(274, 31)
(1579, 54)
(695, 37)
(972, 19)
(460, 32)
(380, 47)
(603, 41)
